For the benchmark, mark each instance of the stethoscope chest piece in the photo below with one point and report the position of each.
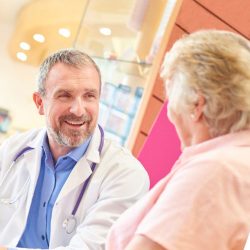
(69, 224)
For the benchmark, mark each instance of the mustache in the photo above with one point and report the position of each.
(74, 118)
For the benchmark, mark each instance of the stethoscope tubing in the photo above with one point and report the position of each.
(70, 223)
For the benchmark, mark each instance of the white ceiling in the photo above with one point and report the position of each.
(9, 9)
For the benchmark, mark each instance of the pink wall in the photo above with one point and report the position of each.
(161, 149)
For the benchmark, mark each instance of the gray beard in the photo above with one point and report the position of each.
(66, 140)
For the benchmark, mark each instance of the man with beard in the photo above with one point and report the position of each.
(64, 186)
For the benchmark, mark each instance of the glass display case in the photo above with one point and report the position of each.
(120, 99)
(120, 37)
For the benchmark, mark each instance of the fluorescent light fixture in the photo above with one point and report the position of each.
(105, 31)
(24, 46)
(64, 32)
(39, 38)
(21, 56)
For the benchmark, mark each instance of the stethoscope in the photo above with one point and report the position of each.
(69, 224)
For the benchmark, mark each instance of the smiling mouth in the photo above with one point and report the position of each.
(75, 123)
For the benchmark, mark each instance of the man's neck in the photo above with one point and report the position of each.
(58, 150)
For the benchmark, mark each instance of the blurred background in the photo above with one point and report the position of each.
(123, 37)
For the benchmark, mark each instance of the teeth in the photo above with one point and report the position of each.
(75, 123)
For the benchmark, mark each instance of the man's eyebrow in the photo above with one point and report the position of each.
(86, 90)
(91, 90)
(63, 91)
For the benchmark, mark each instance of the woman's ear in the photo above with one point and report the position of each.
(39, 102)
(197, 112)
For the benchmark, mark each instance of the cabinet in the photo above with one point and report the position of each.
(120, 100)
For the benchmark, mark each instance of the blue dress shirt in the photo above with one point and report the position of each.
(51, 178)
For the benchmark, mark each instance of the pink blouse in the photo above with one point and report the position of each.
(203, 203)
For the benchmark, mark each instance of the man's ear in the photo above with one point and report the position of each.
(197, 112)
(39, 102)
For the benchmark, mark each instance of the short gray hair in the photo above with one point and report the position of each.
(72, 57)
(215, 64)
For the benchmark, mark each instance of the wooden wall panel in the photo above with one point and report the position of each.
(193, 17)
(236, 13)
(176, 34)
(159, 90)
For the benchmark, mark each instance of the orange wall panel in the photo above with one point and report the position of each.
(233, 12)
(159, 90)
(176, 34)
(194, 17)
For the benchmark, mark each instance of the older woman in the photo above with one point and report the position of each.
(204, 203)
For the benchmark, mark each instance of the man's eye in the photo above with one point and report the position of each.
(90, 95)
(64, 96)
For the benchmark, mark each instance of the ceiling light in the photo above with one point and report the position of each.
(39, 38)
(64, 32)
(105, 31)
(21, 56)
(24, 46)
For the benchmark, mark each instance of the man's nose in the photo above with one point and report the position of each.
(77, 107)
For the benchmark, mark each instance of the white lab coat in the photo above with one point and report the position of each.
(119, 180)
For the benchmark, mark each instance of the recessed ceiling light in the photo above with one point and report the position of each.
(24, 46)
(21, 56)
(105, 31)
(39, 38)
(64, 32)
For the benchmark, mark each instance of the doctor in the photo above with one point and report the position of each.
(64, 186)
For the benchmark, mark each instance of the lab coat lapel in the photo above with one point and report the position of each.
(32, 161)
(82, 169)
